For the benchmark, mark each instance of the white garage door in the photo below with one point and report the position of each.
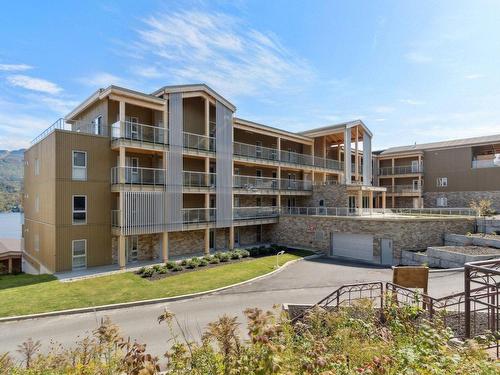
(358, 246)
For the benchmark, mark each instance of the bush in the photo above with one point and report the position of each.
(263, 250)
(157, 267)
(176, 268)
(170, 265)
(195, 260)
(141, 270)
(184, 262)
(203, 263)
(214, 260)
(234, 255)
(244, 253)
(208, 258)
(148, 272)
(254, 251)
(163, 270)
(224, 257)
(192, 264)
(218, 254)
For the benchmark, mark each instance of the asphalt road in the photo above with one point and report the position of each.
(306, 281)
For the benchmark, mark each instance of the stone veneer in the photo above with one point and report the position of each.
(332, 195)
(313, 232)
(462, 198)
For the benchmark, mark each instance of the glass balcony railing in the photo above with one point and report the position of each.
(138, 176)
(402, 169)
(253, 183)
(296, 158)
(198, 142)
(490, 163)
(404, 189)
(261, 212)
(253, 151)
(198, 215)
(142, 133)
(199, 179)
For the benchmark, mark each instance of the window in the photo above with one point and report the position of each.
(321, 203)
(37, 167)
(97, 125)
(37, 203)
(442, 182)
(79, 165)
(442, 202)
(259, 202)
(79, 248)
(132, 248)
(36, 242)
(79, 209)
(274, 202)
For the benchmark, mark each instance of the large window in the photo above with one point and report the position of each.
(79, 209)
(79, 249)
(442, 182)
(79, 165)
(37, 167)
(37, 203)
(97, 125)
(442, 202)
(36, 242)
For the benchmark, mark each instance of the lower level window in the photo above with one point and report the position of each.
(442, 202)
(79, 254)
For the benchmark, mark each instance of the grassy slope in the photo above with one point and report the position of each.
(19, 298)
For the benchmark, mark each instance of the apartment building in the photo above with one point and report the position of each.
(129, 176)
(440, 174)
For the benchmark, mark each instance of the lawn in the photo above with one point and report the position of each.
(28, 294)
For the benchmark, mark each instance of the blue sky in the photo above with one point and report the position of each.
(413, 71)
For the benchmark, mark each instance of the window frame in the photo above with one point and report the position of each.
(36, 242)
(77, 167)
(78, 256)
(97, 125)
(37, 167)
(442, 202)
(79, 211)
(37, 203)
(442, 182)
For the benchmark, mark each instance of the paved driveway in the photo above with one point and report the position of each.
(306, 281)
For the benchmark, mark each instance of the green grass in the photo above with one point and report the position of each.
(28, 294)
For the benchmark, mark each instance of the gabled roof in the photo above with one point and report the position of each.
(195, 87)
(324, 130)
(475, 141)
(271, 129)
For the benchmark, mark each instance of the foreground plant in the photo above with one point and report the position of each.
(358, 339)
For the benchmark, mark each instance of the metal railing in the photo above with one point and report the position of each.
(296, 158)
(253, 183)
(138, 176)
(253, 151)
(116, 219)
(404, 189)
(74, 126)
(244, 213)
(198, 215)
(133, 131)
(400, 169)
(302, 185)
(198, 142)
(198, 179)
(351, 211)
(477, 164)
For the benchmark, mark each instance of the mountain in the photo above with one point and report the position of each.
(11, 179)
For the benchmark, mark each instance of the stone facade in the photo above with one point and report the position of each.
(187, 242)
(406, 233)
(332, 195)
(248, 234)
(462, 198)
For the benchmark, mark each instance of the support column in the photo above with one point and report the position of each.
(278, 144)
(231, 238)
(347, 156)
(122, 259)
(207, 241)
(356, 156)
(9, 269)
(360, 199)
(164, 247)
(383, 200)
(370, 202)
(121, 164)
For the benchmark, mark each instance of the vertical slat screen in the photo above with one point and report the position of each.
(143, 212)
(347, 155)
(224, 165)
(174, 163)
(367, 159)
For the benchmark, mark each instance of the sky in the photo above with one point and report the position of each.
(412, 71)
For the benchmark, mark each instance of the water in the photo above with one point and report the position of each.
(10, 224)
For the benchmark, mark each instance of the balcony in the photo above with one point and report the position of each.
(404, 190)
(198, 179)
(256, 184)
(138, 176)
(400, 170)
(255, 152)
(252, 213)
(198, 215)
(296, 158)
(140, 135)
(489, 163)
(198, 142)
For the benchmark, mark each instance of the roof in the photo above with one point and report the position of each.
(271, 129)
(329, 128)
(10, 246)
(195, 87)
(444, 144)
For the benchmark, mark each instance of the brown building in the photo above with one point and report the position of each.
(441, 174)
(128, 176)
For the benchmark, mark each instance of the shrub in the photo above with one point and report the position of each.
(214, 260)
(263, 250)
(195, 260)
(148, 272)
(191, 264)
(224, 257)
(234, 254)
(163, 270)
(203, 263)
(170, 265)
(218, 254)
(176, 268)
(141, 270)
(157, 267)
(244, 253)
(208, 258)
(254, 251)
(184, 262)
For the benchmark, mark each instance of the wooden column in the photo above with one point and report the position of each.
(383, 200)
(164, 247)
(9, 269)
(360, 199)
(207, 241)
(370, 202)
(278, 145)
(231, 238)
(356, 156)
(122, 259)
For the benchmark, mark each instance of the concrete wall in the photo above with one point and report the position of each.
(406, 233)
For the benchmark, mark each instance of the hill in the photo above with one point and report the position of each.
(11, 179)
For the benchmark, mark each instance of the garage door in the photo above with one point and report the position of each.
(358, 246)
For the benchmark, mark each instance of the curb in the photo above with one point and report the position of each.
(149, 301)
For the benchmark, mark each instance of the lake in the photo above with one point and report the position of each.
(10, 224)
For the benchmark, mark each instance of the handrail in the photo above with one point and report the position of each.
(71, 125)
(198, 141)
(400, 169)
(143, 133)
(243, 213)
(138, 176)
(351, 211)
(198, 179)
(254, 182)
(253, 151)
(198, 215)
(403, 189)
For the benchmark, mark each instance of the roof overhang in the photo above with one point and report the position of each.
(336, 128)
(253, 126)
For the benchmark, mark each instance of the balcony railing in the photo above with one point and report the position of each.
(252, 182)
(139, 132)
(360, 168)
(477, 164)
(246, 213)
(116, 219)
(198, 142)
(328, 163)
(287, 184)
(199, 179)
(138, 176)
(198, 215)
(75, 126)
(402, 169)
(257, 152)
(390, 212)
(404, 189)
(296, 158)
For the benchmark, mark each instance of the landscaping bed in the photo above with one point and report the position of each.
(471, 250)
(172, 268)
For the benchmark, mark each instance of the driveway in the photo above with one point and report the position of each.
(306, 281)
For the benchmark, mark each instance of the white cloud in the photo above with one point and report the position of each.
(14, 67)
(418, 57)
(34, 84)
(411, 101)
(18, 130)
(220, 50)
(58, 105)
(474, 76)
(384, 109)
(102, 79)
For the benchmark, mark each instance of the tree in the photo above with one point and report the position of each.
(483, 207)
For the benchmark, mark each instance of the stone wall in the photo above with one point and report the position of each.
(187, 242)
(332, 195)
(462, 198)
(313, 232)
(148, 246)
